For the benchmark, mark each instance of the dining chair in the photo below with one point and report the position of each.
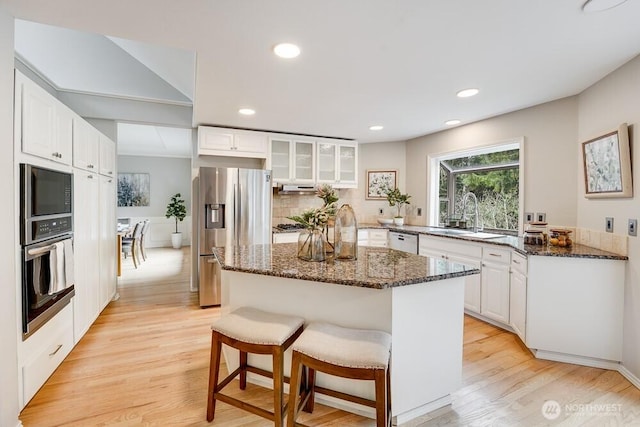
(131, 244)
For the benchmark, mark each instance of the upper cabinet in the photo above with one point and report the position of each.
(232, 142)
(107, 156)
(338, 163)
(86, 146)
(303, 160)
(43, 124)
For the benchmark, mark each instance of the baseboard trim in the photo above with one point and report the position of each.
(629, 375)
(422, 410)
(577, 360)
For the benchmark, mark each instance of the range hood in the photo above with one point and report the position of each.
(297, 189)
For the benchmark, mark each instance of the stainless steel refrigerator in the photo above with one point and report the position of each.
(234, 209)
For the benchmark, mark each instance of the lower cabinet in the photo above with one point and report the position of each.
(518, 295)
(286, 237)
(373, 237)
(43, 351)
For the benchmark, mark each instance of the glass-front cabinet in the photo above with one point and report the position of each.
(337, 164)
(292, 160)
(304, 166)
(306, 161)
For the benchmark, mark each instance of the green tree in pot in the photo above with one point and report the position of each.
(176, 209)
(396, 198)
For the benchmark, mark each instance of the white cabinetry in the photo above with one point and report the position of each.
(518, 299)
(86, 250)
(43, 351)
(464, 253)
(289, 237)
(337, 164)
(43, 125)
(373, 237)
(86, 146)
(232, 142)
(108, 250)
(107, 157)
(292, 160)
(495, 284)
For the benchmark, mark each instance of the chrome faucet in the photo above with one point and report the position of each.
(464, 210)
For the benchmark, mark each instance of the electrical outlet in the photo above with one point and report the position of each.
(541, 217)
(633, 227)
(380, 211)
(528, 217)
(609, 224)
(419, 211)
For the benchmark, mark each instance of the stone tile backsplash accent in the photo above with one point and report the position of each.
(616, 243)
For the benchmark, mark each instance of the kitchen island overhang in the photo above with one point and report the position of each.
(419, 300)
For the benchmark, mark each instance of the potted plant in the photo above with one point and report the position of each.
(176, 209)
(397, 199)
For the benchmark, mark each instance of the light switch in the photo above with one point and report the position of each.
(419, 211)
(633, 227)
(528, 217)
(380, 211)
(541, 217)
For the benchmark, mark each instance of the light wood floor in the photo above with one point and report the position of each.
(145, 362)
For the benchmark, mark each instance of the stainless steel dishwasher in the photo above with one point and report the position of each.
(403, 242)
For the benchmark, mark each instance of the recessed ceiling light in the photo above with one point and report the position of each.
(247, 111)
(376, 127)
(286, 50)
(600, 5)
(452, 122)
(465, 93)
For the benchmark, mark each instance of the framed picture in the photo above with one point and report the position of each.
(607, 165)
(378, 181)
(133, 189)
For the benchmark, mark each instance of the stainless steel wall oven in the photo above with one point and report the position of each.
(46, 234)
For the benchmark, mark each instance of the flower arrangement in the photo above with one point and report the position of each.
(315, 219)
(327, 194)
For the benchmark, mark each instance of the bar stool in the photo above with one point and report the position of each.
(349, 353)
(250, 330)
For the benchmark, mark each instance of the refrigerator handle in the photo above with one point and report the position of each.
(237, 209)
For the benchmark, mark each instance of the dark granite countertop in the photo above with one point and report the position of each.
(517, 243)
(377, 268)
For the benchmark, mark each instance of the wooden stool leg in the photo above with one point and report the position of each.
(214, 369)
(243, 370)
(389, 394)
(308, 407)
(381, 398)
(295, 383)
(278, 379)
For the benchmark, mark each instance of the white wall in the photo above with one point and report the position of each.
(551, 158)
(168, 176)
(604, 106)
(8, 252)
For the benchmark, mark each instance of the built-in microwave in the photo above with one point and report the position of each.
(46, 203)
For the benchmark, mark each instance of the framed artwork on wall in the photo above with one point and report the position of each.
(607, 165)
(133, 189)
(378, 181)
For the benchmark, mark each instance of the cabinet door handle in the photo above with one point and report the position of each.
(56, 350)
(496, 255)
(515, 261)
(90, 176)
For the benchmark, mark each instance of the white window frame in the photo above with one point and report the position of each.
(433, 177)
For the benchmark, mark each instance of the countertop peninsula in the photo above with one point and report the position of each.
(376, 268)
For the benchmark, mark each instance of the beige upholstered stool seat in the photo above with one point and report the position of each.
(351, 348)
(348, 353)
(255, 326)
(250, 330)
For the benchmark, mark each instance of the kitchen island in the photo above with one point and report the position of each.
(419, 300)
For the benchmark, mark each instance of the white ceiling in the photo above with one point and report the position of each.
(364, 62)
(145, 140)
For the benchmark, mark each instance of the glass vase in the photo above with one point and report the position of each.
(311, 245)
(329, 234)
(346, 234)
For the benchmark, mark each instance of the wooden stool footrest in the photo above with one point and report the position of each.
(249, 407)
(344, 396)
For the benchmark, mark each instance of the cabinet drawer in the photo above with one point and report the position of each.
(377, 234)
(491, 254)
(285, 237)
(48, 353)
(519, 263)
(450, 246)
